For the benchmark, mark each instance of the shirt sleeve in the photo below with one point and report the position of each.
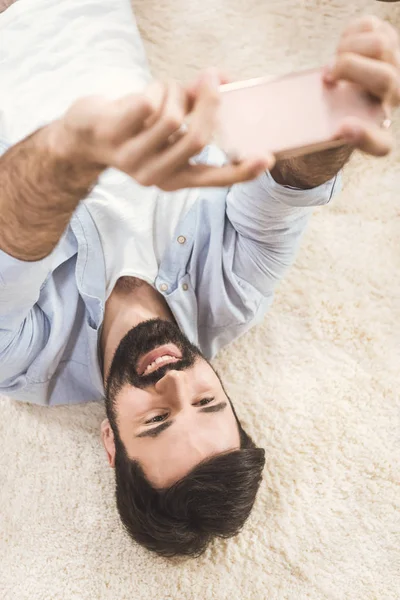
(246, 238)
(270, 220)
(24, 329)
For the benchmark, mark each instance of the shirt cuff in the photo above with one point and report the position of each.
(318, 196)
(13, 270)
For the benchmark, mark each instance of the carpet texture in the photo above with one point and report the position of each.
(317, 384)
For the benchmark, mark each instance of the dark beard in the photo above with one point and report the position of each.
(140, 340)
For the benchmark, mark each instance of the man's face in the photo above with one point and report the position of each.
(168, 403)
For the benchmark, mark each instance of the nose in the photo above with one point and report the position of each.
(174, 384)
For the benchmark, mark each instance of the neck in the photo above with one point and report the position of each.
(131, 302)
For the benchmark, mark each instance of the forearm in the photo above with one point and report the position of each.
(5, 4)
(270, 220)
(40, 189)
(312, 170)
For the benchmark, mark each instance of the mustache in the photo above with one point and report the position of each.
(143, 381)
(138, 341)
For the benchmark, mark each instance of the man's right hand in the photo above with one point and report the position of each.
(143, 136)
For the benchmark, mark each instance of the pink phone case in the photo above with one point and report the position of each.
(289, 116)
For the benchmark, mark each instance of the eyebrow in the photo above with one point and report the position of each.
(214, 408)
(156, 431)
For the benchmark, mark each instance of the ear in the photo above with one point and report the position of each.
(107, 436)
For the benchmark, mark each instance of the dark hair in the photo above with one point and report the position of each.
(213, 500)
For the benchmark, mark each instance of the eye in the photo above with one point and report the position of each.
(204, 401)
(157, 419)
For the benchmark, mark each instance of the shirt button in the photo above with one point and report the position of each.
(163, 287)
(185, 287)
(181, 239)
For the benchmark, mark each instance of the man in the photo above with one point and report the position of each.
(113, 290)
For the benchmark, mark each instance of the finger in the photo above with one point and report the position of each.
(202, 121)
(155, 138)
(156, 91)
(202, 117)
(367, 138)
(170, 119)
(371, 45)
(378, 78)
(223, 78)
(125, 117)
(194, 176)
(199, 133)
(365, 24)
(373, 24)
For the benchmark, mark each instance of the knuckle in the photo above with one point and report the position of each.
(143, 179)
(125, 159)
(384, 148)
(106, 131)
(197, 141)
(388, 83)
(344, 62)
(381, 46)
(145, 104)
(172, 121)
(370, 23)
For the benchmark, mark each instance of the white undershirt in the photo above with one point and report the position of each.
(135, 225)
(80, 48)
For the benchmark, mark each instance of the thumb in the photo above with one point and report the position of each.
(220, 76)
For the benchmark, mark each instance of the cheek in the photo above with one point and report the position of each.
(206, 375)
(130, 404)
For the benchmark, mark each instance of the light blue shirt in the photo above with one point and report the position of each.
(218, 283)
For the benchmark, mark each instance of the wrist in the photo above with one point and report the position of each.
(69, 154)
(285, 172)
(311, 170)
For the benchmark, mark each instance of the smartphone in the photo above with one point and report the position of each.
(289, 116)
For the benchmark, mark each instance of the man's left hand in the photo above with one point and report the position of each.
(369, 54)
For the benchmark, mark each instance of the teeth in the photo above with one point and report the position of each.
(159, 360)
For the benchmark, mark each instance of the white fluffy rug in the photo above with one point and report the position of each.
(317, 383)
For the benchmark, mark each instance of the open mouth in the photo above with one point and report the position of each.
(159, 357)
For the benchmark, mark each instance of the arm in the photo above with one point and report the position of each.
(276, 207)
(368, 55)
(312, 170)
(44, 177)
(247, 240)
(39, 192)
(270, 220)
